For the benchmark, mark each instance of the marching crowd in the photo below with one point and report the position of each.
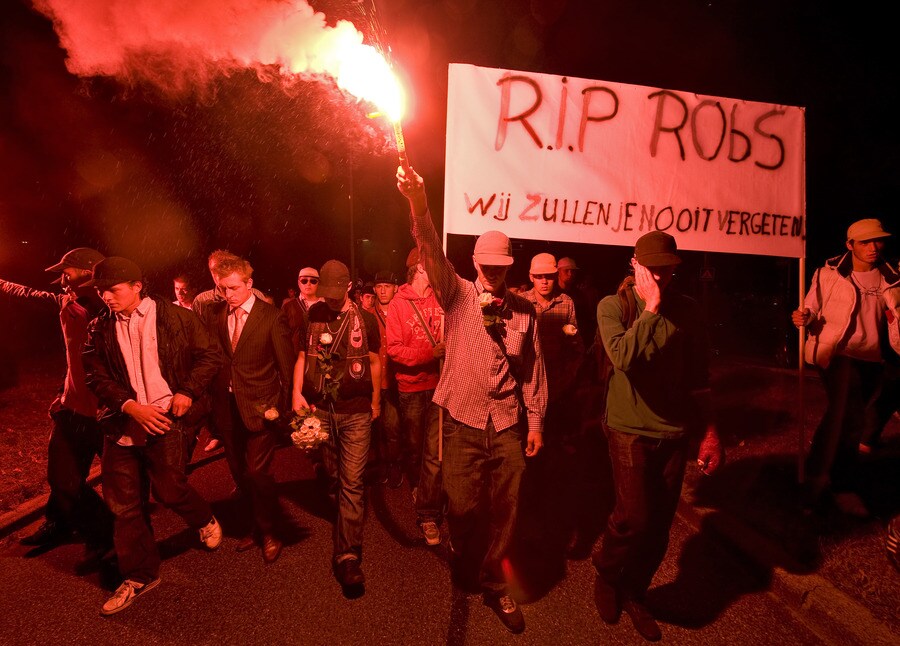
(453, 385)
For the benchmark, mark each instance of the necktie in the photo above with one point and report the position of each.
(239, 314)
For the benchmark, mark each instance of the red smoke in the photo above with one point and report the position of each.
(179, 46)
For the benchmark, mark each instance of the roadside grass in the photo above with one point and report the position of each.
(25, 429)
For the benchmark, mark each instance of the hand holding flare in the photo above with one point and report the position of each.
(412, 187)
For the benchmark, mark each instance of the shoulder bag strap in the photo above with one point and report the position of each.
(422, 322)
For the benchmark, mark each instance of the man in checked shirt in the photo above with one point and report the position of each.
(553, 516)
(494, 391)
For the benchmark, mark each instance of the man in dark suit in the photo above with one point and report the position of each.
(250, 394)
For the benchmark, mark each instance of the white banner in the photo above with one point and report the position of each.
(547, 157)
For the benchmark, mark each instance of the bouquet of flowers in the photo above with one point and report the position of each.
(492, 311)
(308, 432)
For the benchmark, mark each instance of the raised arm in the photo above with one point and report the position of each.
(441, 273)
(14, 290)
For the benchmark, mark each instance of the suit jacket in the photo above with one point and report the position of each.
(259, 370)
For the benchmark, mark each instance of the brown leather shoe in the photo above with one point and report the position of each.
(606, 599)
(246, 543)
(507, 611)
(643, 621)
(271, 549)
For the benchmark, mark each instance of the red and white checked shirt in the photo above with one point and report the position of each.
(481, 380)
(562, 353)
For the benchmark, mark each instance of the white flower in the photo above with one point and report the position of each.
(485, 299)
(312, 424)
(310, 434)
(271, 414)
(326, 338)
(570, 330)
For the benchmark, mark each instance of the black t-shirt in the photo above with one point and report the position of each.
(353, 396)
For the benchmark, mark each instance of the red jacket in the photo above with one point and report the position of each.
(408, 346)
(387, 377)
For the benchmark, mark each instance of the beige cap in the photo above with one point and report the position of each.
(493, 248)
(868, 229)
(543, 263)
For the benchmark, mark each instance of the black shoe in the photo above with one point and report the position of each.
(643, 621)
(394, 476)
(48, 534)
(93, 559)
(580, 548)
(606, 598)
(350, 575)
(507, 611)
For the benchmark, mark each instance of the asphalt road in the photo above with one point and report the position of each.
(703, 594)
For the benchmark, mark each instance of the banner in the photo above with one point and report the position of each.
(546, 157)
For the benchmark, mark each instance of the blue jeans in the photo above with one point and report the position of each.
(422, 433)
(648, 474)
(482, 472)
(345, 456)
(163, 460)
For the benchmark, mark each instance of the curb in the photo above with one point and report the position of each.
(832, 615)
(30, 510)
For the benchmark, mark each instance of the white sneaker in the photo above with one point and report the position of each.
(211, 535)
(431, 532)
(125, 595)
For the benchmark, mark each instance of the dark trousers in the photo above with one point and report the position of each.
(648, 474)
(887, 402)
(74, 441)
(387, 429)
(421, 431)
(482, 473)
(851, 386)
(345, 456)
(567, 487)
(125, 469)
(250, 456)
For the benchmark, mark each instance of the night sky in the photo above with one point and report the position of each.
(277, 173)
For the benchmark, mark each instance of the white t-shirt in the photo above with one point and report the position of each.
(863, 340)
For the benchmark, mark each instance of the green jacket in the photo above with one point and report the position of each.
(659, 362)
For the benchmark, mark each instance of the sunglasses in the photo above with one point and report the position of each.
(304, 281)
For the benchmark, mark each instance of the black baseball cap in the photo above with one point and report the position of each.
(334, 277)
(78, 258)
(114, 270)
